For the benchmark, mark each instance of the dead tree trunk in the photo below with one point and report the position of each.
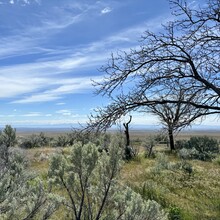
(128, 149)
(127, 135)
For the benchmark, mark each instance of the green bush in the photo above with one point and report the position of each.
(186, 153)
(69, 139)
(35, 141)
(162, 163)
(202, 148)
(60, 141)
(84, 137)
(7, 140)
(175, 213)
(8, 136)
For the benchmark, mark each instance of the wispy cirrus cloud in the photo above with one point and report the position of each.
(62, 87)
(41, 82)
(28, 38)
(32, 114)
(65, 112)
(38, 80)
(50, 51)
(64, 121)
(60, 103)
(38, 98)
(21, 2)
(34, 80)
(31, 39)
(12, 86)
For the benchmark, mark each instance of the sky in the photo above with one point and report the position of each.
(51, 50)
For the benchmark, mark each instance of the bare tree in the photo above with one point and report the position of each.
(185, 54)
(176, 116)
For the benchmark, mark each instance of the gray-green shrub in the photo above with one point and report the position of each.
(90, 180)
(35, 141)
(202, 148)
(22, 194)
(7, 139)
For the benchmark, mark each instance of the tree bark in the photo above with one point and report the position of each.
(128, 150)
(127, 136)
(171, 139)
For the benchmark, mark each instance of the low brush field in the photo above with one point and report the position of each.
(188, 189)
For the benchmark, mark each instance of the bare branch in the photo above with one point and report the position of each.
(183, 57)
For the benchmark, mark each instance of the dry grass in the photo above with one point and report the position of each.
(186, 134)
(197, 196)
(39, 159)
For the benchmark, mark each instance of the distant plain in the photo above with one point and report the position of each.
(134, 133)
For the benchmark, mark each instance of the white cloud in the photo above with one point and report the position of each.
(71, 63)
(60, 103)
(22, 2)
(39, 77)
(40, 81)
(62, 23)
(143, 119)
(13, 85)
(63, 87)
(10, 116)
(49, 122)
(46, 68)
(26, 39)
(64, 112)
(106, 10)
(32, 114)
(37, 98)
(26, 2)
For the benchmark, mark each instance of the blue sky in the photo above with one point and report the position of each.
(51, 49)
